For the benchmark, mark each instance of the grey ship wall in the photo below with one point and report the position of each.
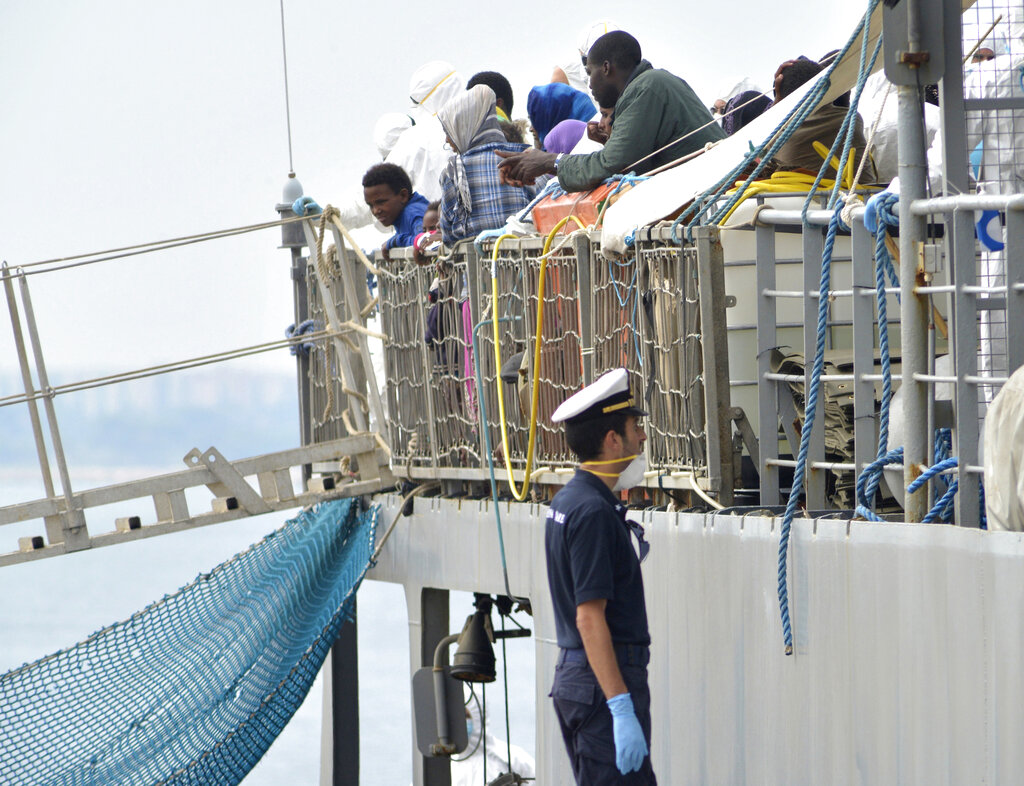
(908, 641)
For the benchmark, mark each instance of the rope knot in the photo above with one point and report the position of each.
(851, 202)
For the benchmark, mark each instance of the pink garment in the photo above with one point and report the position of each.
(467, 362)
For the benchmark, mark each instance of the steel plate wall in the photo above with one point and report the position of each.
(908, 642)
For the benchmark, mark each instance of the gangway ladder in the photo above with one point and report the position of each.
(64, 513)
(233, 496)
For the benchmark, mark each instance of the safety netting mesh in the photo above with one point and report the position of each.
(195, 687)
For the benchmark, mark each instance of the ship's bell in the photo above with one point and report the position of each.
(474, 658)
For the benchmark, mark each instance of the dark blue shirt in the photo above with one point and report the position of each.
(409, 222)
(590, 556)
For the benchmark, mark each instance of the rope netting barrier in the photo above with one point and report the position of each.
(194, 688)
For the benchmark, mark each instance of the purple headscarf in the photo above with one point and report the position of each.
(733, 122)
(563, 137)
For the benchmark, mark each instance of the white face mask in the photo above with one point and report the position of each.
(632, 475)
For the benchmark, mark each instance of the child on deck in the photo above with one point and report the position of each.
(430, 237)
(388, 192)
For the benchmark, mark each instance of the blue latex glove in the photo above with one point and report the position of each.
(306, 206)
(630, 746)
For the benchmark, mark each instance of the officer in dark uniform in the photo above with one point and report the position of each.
(600, 688)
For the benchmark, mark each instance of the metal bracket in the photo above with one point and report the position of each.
(223, 470)
(746, 431)
(907, 62)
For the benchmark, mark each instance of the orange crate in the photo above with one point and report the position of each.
(585, 205)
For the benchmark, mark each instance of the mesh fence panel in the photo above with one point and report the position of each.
(561, 370)
(514, 325)
(194, 688)
(617, 313)
(672, 356)
(403, 288)
(452, 385)
(327, 397)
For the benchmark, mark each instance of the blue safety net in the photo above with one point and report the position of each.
(195, 687)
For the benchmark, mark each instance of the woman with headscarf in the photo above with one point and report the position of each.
(548, 105)
(565, 136)
(742, 108)
(473, 198)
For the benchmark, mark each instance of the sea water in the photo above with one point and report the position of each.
(51, 604)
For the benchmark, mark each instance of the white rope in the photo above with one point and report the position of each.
(852, 199)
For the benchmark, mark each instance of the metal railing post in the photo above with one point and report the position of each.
(585, 301)
(865, 428)
(53, 527)
(767, 390)
(74, 533)
(715, 350)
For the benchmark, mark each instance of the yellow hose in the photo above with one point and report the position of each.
(520, 494)
(790, 181)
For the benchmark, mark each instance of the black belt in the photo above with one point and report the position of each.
(625, 654)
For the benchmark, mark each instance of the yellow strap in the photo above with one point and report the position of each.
(584, 464)
(520, 494)
(616, 407)
(428, 95)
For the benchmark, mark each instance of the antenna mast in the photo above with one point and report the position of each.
(287, 103)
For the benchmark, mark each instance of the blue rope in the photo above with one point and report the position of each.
(931, 472)
(883, 267)
(781, 134)
(982, 516)
(624, 304)
(487, 442)
(555, 191)
(942, 450)
(810, 413)
(846, 130)
(304, 328)
(868, 479)
(941, 510)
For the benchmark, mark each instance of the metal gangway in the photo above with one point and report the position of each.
(354, 462)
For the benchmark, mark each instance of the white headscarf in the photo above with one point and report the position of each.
(469, 120)
(388, 128)
(434, 84)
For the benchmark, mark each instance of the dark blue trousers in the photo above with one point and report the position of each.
(586, 721)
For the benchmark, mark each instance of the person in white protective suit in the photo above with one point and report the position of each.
(412, 140)
(1004, 457)
(573, 72)
(468, 769)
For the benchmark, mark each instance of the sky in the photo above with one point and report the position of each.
(127, 122)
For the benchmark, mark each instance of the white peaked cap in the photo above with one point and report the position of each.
(609, 393)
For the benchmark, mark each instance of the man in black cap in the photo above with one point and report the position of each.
(600, 688)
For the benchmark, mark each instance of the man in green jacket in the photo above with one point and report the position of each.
(653, 110)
